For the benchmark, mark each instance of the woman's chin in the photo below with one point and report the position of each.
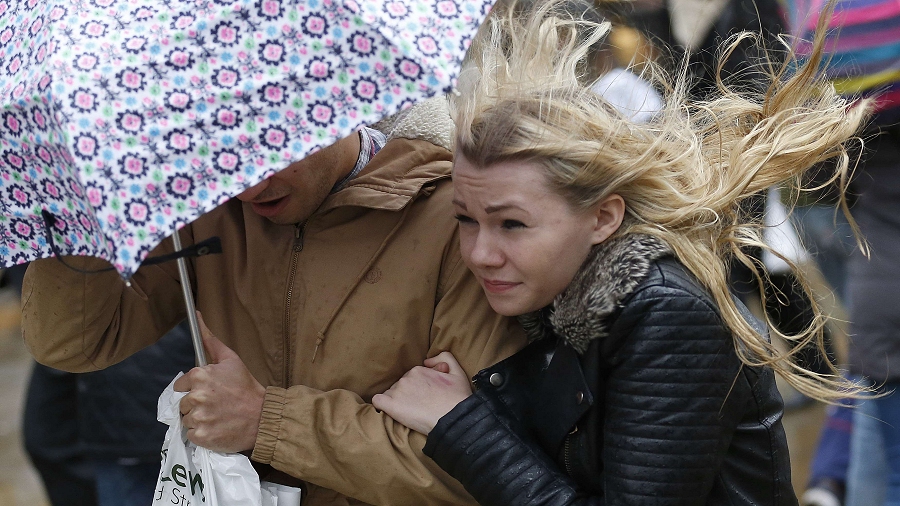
(504, 312)
(507, 307)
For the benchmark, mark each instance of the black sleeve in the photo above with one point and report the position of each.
(478, 444)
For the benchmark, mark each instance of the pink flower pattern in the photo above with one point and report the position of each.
(127, 118)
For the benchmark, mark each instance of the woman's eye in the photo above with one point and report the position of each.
(509, 224)
(464, 219)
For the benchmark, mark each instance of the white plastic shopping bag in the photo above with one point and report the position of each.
(276, 494)
(191, 475)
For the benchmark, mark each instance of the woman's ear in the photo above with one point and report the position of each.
(609, 213)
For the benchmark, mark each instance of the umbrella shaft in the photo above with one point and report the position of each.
(199, 351)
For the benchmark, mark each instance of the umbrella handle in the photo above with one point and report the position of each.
(199, 351)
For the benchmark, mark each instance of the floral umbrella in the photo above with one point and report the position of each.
(125, 119)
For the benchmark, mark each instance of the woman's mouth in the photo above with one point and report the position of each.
(496, 286)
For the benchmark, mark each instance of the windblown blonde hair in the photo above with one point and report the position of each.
(684, 176)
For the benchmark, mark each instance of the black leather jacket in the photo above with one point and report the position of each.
(634, 389)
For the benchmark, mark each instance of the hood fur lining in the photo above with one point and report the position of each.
(428, 120)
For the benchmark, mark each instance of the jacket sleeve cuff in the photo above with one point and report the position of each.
(269, 425)
(480, 446)
(439, 434)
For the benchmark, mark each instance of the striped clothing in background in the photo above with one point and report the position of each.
(864, 46)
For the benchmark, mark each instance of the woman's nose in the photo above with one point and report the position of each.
(485, 252)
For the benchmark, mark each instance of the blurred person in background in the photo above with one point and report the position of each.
(874, 292)
(864, 58)
(97, 432)
(93, 437)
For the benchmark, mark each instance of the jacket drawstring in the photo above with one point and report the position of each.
(320, 336)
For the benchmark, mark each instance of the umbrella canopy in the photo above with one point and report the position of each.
(125, 119)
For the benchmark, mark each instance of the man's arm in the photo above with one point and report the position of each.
(339, 441)
(76, 322)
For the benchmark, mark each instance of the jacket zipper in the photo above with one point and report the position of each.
(295, 257)
(566, 456)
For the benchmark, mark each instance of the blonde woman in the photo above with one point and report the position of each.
(645, 382)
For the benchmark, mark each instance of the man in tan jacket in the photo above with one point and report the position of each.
(332, 284)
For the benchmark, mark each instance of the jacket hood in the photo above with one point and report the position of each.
(417, 154)
(415, 157)
(612, 271)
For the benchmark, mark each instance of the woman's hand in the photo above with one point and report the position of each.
(424, 394)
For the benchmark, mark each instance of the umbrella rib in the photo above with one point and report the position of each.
(206, 247)
(49, 221)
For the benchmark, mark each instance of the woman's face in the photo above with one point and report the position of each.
(523, 242)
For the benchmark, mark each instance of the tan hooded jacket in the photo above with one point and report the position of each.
(325, 315)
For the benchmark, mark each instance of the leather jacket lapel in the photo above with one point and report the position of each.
(543, 386)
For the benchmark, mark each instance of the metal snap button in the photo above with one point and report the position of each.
(496, 379)
(579, 397)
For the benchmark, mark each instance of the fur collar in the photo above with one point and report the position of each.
(611, 272)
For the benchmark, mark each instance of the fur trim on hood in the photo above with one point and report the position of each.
(612, 271)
